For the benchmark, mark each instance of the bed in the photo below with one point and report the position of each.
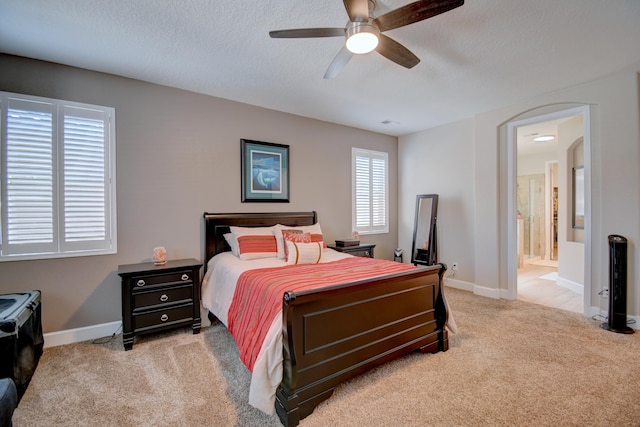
(328, 335)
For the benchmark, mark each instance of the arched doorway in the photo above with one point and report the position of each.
(571, 237)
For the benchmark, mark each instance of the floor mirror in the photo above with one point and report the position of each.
(425, 245)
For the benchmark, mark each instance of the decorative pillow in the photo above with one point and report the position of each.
(304, 253)
(296, 236)
(233, 243)
(314, 230)
(254, 246)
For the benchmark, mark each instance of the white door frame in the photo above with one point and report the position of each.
(548, 221)
(512, 234)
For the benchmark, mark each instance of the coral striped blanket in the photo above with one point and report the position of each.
(258, 294)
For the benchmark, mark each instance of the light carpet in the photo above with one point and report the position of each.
(512, 363)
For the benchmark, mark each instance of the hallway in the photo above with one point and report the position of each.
(536, 285)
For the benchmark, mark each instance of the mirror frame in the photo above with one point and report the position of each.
(428, 220)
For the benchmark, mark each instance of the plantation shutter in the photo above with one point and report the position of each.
(362, 192)
(56, 178)
(29, 168)
(84, 179)
(370, 191)
(378, 192)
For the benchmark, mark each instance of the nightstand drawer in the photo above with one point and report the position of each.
(361, 252)
(145, 281)
(165, 296)
(161, 317)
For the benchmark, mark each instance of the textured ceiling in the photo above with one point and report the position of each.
(481, 56)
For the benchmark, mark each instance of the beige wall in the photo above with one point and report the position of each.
(479, 162)
(571, 245)
(440, 161)
(178, 155)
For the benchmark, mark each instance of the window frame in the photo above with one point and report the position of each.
(370, 227)
(60, 246)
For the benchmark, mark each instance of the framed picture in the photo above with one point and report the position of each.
(265, 171)
(578, 197)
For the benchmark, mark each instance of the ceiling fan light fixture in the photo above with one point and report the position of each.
(362, 37)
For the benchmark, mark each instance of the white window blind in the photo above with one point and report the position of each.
(370, 191)
(57, 182)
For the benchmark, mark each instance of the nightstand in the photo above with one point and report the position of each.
(159, 297)
(364, 250)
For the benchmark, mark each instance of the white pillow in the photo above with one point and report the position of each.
(304, 253)
(239, 231)
(314, 230)
(233, 243)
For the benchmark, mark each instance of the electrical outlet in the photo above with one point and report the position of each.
(454, 266)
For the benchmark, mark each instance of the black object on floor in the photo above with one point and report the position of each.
(21, 340)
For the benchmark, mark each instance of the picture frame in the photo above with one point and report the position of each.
(265, 171)
(578, 197)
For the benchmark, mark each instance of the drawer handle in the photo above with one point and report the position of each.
(140, 283)
(185, 277)
(366, 253)
(164, 317)
(164, 297)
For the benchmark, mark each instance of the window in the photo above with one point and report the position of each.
(57, 178)
(370, 210)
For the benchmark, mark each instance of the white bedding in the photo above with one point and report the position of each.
(218, 287)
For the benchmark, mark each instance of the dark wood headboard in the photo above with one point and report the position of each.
(217, 224)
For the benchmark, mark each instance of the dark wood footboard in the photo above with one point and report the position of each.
(331, 335)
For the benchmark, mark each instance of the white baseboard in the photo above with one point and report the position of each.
(568, 284)
(458, 284)
(69, 336)
(472, 287)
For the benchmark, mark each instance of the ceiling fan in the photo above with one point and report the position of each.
(363, 33)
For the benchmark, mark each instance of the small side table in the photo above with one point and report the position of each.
(363, 250)
(159, 297)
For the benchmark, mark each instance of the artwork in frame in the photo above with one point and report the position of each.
(265, 171)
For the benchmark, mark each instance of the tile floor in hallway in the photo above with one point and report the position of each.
(533, 287)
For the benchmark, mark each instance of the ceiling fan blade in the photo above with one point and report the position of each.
(306, 33)
(397, 53)
(338, 63)
(358, 10)
(415, 12)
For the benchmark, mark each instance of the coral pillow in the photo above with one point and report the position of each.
(296, 236)
(257, 246)
(304, 253)
(256, 242)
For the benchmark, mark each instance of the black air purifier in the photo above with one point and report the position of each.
(617, 321)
